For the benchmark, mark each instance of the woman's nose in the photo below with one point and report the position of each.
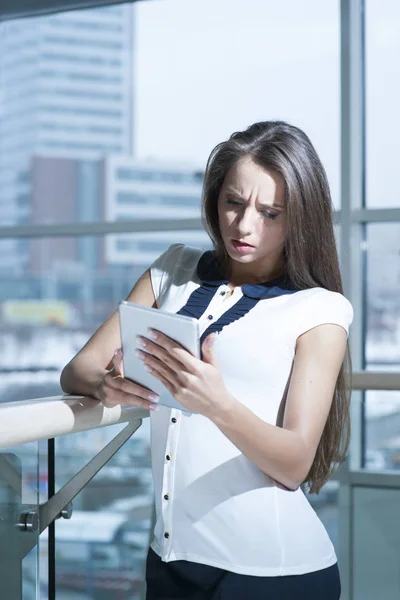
(245, 223)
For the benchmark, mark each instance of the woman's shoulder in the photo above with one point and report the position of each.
(318, 305)
(320, 294)
(178, 256)
(174, 268)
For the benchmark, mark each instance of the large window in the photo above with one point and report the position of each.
(380, 240)
(107, 116)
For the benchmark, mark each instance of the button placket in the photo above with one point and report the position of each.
(220, 303)
(168, 479)
(216, 308)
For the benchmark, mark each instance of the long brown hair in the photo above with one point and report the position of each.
(311, 258)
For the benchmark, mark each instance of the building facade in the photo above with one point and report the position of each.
(150, 190)
(66, 91)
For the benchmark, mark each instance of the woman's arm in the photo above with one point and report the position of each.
(286, 453)
(86, 372)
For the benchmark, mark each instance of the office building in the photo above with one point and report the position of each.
(66, 91)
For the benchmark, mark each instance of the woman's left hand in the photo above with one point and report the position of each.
(194, 383)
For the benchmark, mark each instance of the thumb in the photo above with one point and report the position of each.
(207, 349)
(117, 363)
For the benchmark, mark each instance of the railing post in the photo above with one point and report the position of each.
(51, 529)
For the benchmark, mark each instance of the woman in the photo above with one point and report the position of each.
(272, 412)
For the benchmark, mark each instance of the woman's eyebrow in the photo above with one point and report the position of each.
(232, 192)
(267, 206)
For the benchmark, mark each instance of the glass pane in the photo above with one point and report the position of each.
(375, 538)
(19, 499)
(382, 430)
(382, 408)
(101, 550)
(382, 100)
(326, 505)
(382, 304)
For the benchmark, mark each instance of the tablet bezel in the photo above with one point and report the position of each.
(135, 320)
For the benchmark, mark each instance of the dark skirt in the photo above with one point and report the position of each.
(184, 580)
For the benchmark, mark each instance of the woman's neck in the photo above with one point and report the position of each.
(239, 278)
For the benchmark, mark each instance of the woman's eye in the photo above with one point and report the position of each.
(269, 215)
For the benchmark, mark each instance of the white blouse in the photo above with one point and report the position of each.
(214, 506)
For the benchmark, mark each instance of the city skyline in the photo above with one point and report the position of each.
(230, 66)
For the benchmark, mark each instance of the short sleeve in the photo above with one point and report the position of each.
(322, 308)
(163, 269)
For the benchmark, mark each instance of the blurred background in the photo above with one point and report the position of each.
(107, 117)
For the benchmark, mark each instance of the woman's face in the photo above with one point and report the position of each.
(251, 209)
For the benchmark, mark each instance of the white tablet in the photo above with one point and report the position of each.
(136, 320)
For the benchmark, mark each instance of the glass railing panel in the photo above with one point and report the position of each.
(19, 523)
(101, 550)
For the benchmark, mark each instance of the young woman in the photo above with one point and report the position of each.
(269, 395)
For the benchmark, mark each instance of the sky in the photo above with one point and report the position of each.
(206, 68)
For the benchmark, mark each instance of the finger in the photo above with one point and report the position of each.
(124, 399)
(119, 384)
(157, 340)
(139, 402)
(117, 362)
(163, 374)
(171, 348)
(208, 350)
(160, 338)
(154, 355)
(166, 382)
(173, 354)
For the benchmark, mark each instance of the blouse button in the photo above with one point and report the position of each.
(210, 317)
(166, 496)
(166, 535)
(222, 293)
(168, 457)
(173, 420)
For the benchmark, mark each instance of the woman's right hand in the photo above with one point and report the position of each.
(115, 389)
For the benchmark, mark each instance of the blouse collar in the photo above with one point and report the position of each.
(209, 273)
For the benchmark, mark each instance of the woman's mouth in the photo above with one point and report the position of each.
(242, 246)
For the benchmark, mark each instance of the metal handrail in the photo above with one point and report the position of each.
(45, 418)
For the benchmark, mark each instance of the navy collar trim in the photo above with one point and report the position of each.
(209, 273)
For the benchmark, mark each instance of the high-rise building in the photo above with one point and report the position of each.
(150, 190)
(65, 90)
